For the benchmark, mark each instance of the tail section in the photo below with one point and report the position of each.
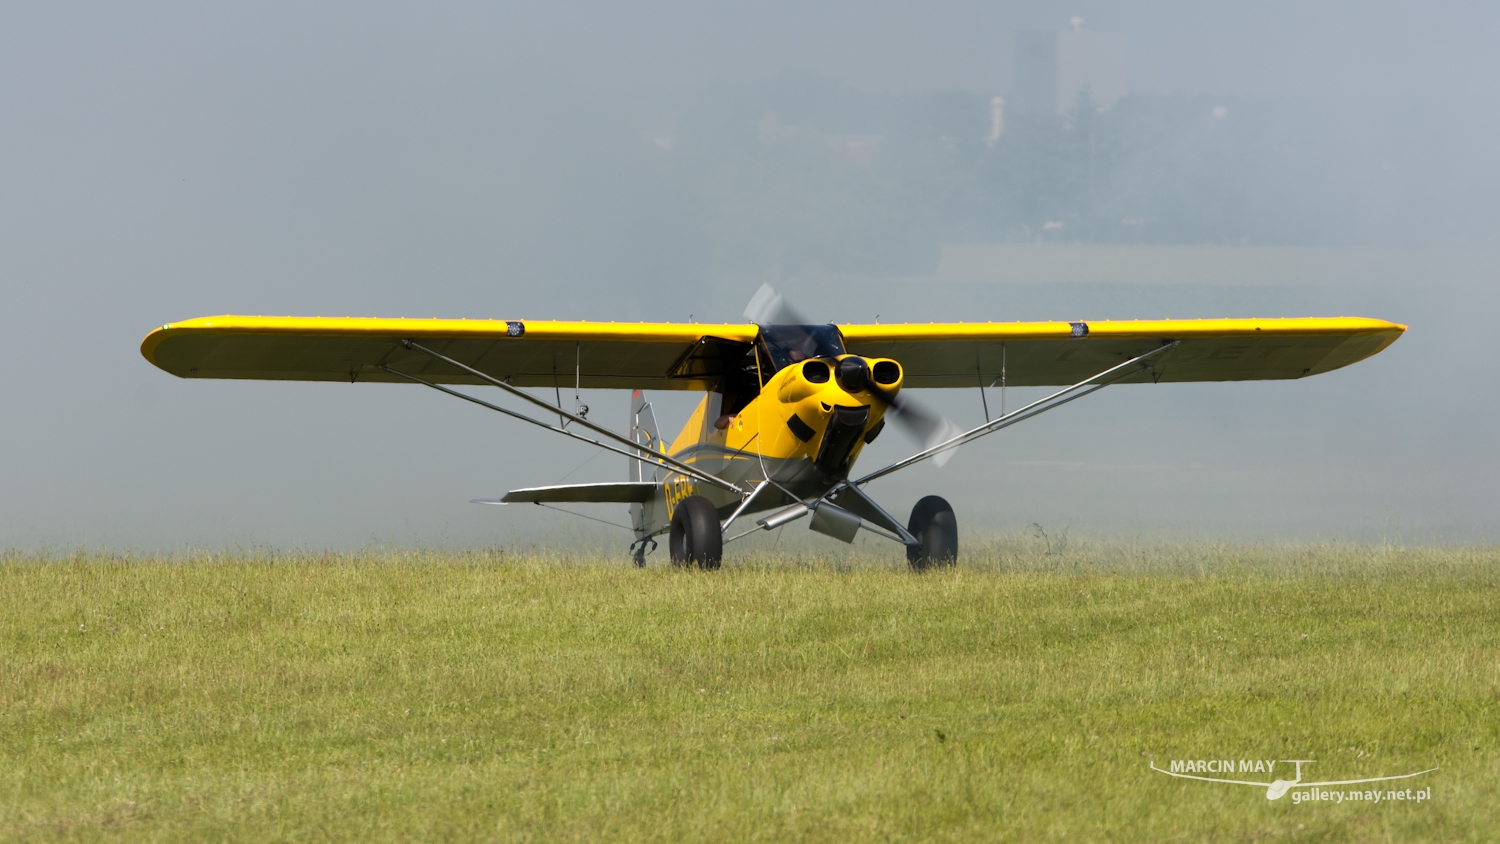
(642, 431)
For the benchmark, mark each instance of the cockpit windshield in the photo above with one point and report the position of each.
(789, 344)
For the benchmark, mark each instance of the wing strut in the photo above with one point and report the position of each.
(634, 453)
(571, 417)
(1109, 376)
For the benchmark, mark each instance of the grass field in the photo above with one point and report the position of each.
(495, 696)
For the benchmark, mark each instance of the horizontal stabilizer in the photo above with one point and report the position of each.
(623, 492)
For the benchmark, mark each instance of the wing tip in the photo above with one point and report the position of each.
(151, 341)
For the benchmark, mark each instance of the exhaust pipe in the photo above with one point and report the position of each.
(790, 514)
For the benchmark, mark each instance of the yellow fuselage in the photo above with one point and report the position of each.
(781, 434)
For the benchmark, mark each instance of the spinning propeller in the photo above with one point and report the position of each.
(926, 426)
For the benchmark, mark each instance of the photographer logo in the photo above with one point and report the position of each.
(1200, 769)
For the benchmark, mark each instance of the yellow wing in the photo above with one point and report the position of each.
(672, 356)
(529, 354)
(1060, 353)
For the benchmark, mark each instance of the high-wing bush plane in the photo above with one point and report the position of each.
(787, 406)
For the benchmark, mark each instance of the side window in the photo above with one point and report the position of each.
(740, 384)
(765, 362)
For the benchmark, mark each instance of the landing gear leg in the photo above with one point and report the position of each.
(638, 551)
(936, 530)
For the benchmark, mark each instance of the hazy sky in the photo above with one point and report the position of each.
(165, 161)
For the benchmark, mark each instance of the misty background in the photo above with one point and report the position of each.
(659, 161)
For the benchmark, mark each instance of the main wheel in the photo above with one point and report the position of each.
(696, 540)
(936, 529)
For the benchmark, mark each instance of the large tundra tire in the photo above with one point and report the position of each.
(696, 540)
(936, 529)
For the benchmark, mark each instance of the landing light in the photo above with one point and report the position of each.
(854, 374)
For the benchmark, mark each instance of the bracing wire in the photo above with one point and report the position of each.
(582, 516)
(586, 462)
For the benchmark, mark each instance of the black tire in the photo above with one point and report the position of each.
(936, 529)
(696, 539)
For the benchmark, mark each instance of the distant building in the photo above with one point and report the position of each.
(1052, 66)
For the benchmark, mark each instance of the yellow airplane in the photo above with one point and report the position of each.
(787, 406)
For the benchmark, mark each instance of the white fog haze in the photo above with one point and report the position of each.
(661, 161)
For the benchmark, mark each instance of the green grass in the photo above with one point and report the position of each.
(1020, 696)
